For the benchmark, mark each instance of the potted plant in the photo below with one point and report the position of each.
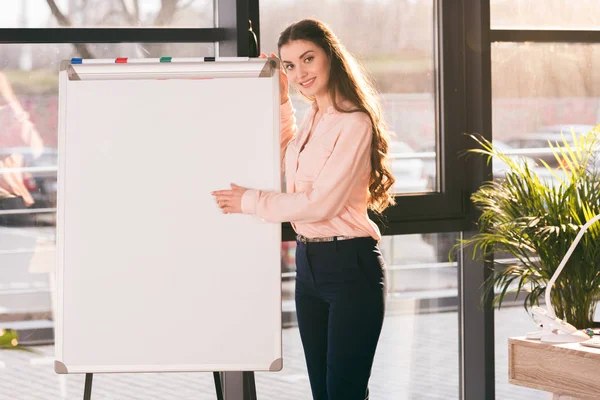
(535, 220)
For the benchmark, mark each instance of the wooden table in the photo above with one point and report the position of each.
(568, 369)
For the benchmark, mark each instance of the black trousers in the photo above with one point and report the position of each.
(340, 305)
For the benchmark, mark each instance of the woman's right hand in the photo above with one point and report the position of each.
(283, 81)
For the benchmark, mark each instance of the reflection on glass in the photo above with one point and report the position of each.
(395, 43)
(27, 258)
(419, 340)
(102, 13)
(553, 14)
(542, 92)
(20, 144)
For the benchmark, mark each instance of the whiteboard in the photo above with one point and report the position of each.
(151, 276)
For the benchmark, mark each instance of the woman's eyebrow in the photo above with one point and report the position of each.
(305, 53)
(301, 56)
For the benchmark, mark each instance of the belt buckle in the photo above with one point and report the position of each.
(301, 239)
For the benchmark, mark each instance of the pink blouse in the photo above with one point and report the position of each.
(327, 181)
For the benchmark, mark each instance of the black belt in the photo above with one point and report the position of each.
(304, 239)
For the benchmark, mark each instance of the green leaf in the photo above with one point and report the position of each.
(536, 222)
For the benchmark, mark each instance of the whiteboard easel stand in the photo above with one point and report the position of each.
(87, 391)
(229, 385)
(239, 385)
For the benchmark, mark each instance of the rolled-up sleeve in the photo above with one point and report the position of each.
(249, 200)
(349, 159)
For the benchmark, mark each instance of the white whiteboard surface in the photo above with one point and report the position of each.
(151, 276)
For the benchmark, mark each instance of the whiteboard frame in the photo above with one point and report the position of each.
(145, 69)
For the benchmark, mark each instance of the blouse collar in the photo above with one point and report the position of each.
(343, 104)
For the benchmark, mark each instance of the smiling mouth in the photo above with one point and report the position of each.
(307, 83)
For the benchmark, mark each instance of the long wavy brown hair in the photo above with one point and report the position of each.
(347, 80)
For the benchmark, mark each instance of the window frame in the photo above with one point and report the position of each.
(463, 104)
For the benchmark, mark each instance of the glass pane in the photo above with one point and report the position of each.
(540, 91)
(395, 42)
(549, 14)
(419, 341)
(106, 13)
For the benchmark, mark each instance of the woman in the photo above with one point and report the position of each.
(336, 167)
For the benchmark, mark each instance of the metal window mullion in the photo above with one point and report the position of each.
(545, 36)
(448, 203)
(233, 16)
(111, 35)
(254, 16)
(476, 322)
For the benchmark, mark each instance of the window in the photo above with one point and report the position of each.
(540, 91)
(547, 14)
(102, 13)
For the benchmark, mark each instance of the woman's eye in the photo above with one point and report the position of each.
(308, 59)
(289, 66)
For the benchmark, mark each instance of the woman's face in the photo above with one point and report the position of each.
(307, 66)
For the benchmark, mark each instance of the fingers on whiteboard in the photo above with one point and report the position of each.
(264, 55)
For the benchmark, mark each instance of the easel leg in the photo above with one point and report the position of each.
(218, 386)
(87, 392)
(239, 385)
(249, 386)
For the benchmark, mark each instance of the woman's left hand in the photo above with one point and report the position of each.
(230, 201)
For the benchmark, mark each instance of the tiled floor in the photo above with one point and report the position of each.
(417, 359)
